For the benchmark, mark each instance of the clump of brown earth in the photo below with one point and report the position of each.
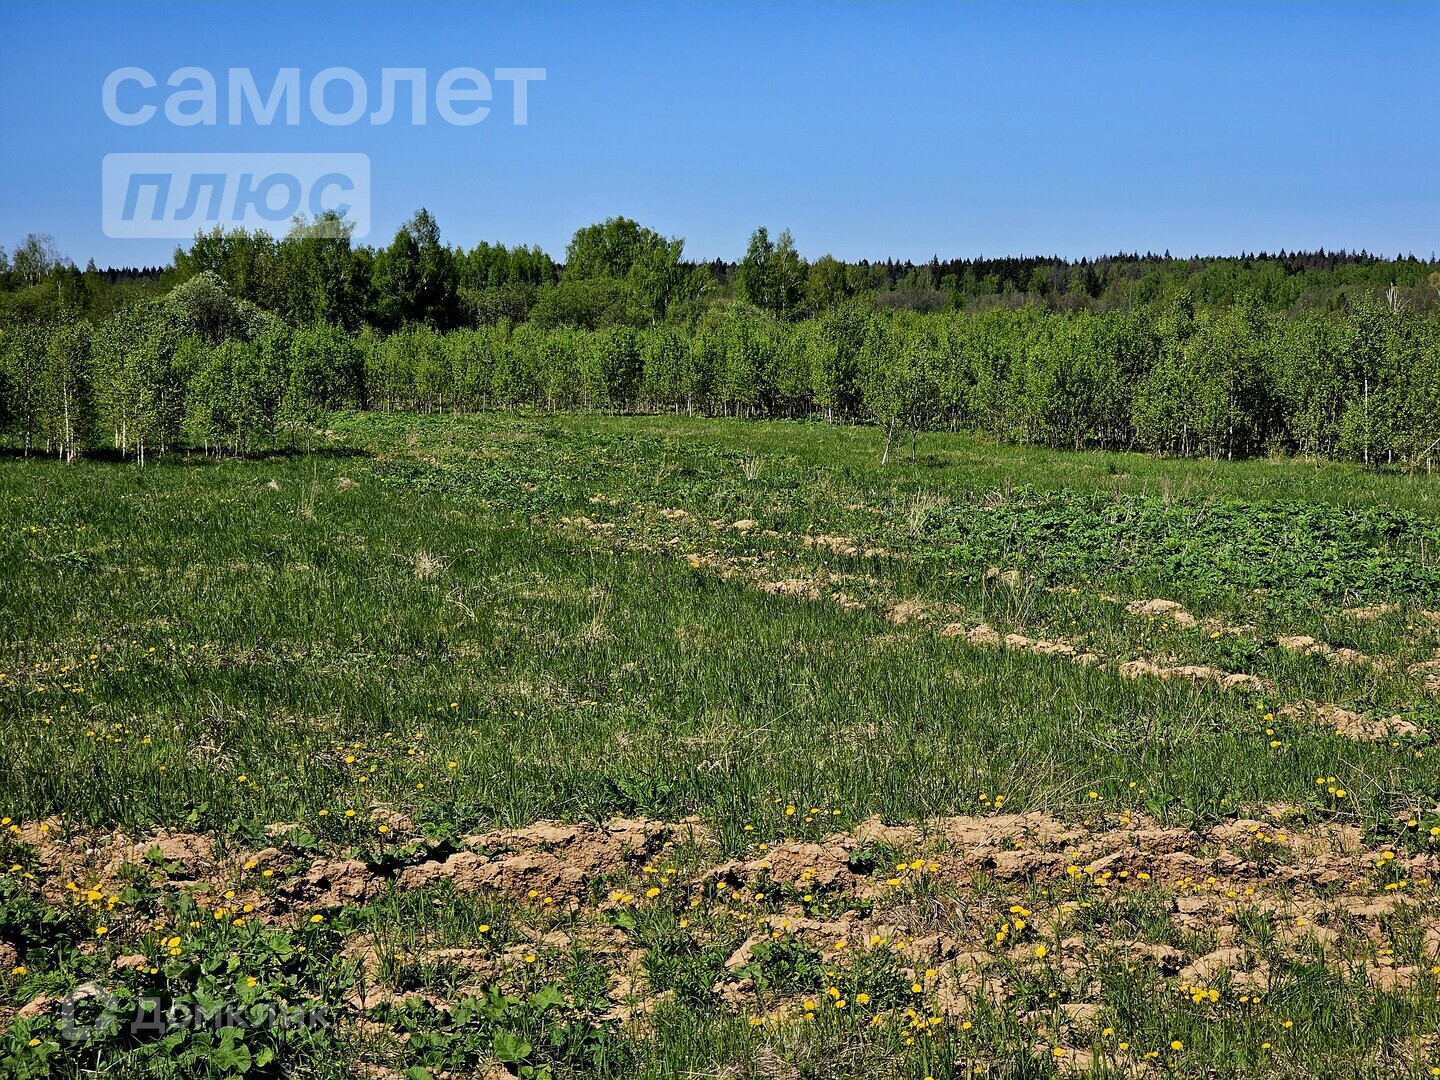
(1352, 725)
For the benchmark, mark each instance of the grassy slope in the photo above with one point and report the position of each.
(208, 645)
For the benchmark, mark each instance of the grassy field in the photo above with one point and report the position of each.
(563, 746)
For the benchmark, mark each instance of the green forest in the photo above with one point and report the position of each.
(247, 342)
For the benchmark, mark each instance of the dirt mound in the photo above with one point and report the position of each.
(986, 636)
(842, 545)
(815, 865)
(874, 830)
(969, 834)
(906, 611)
(547, 876)
(187, 853)
(1429, 672)
(1227, 680)
(1039, 646)
(797, 588)
(548, 861)
(1352, 725)
(1340, 656)
(332, 883)
(982, 635)
(101, 859)
(1171, 609)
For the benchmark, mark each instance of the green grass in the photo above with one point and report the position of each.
(216, 646)
(972, 462)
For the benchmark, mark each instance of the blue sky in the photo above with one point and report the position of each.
(869, 130)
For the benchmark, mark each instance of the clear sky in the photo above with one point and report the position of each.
(870, 130)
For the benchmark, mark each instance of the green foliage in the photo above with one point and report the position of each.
(785, 966)
(625, 254)
(67, 402)
(772, 275)
(227, 1001)
(529, 1034)
(1205, 358)
(28, 923)
(415, 279)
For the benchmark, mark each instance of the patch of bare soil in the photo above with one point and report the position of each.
(1168, 609)
(1340, 656)
(907, 611)
(945, 932)
(981, 635)
(1370, 612)
(1350, 724)
(843, 545)
(549, 861)
(332, 883)
(798, 588)
(1429, 673)
(1227, 680)
(965, 905)
(985, 636)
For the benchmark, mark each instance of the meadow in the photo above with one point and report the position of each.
(569, 745)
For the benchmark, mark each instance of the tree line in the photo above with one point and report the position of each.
(620, 273)
(204, 368)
